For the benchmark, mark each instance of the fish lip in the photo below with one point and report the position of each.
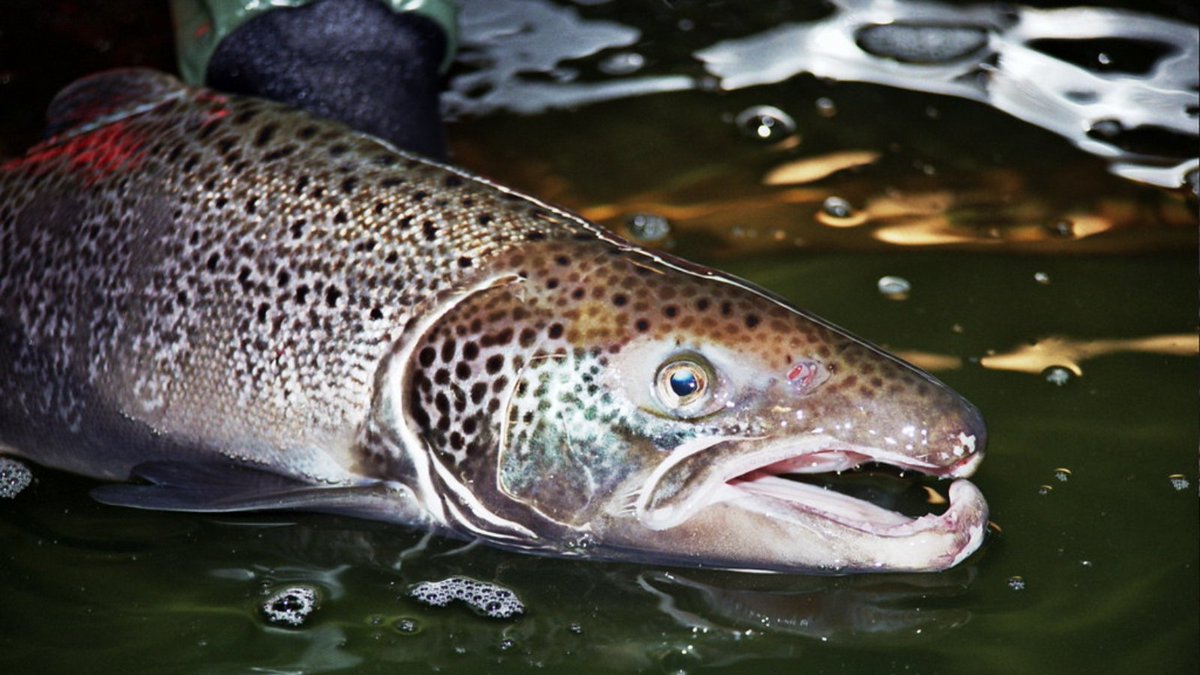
(752, 481)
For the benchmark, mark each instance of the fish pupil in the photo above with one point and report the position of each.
(684, 383)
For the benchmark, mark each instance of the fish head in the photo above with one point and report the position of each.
(606, 400)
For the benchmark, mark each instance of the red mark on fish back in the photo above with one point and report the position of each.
(97, 154)
(214, 115)
(806, 374)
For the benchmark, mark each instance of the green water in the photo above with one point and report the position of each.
(1097, 573)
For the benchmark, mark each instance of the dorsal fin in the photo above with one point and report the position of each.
(100, 99)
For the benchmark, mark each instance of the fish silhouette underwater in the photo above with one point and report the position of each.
(222, 304)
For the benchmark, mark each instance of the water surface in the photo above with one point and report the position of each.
(1053, 289)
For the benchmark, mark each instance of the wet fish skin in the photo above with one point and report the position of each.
(223, 274)
(252, 308)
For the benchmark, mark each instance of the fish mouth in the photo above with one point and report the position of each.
(757, 477)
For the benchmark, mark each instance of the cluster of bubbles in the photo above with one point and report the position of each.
(291, 606)
(14, 477)
(486, 599)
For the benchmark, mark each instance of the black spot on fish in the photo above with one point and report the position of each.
(452, 181)
(349, 185)
(278, 154)
(391, 182)
(752, 320)
(306, 133)
(213, 261)
(265, 134)
(464, 262)
(485, 219)
(642, 325)
(337, 150)
(302, 294)
(376, 314)
(340, 217)
(430, 230)
(331, 296)
(494, 363)
(555, 331)
(448, 349)
(471, 350)
(427, 355)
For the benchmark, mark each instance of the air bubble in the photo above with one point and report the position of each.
(486, 599)
(407, 626)
(837, 212)
(826, 107)
(14, 477)
(836, 207)
(291, 606)
(1062, 475)
(1193, 180)
(1057, 375)
(1061, 228)
(1045, 489)
(1178, 481)
(575, 628)
(1042, 278)
(921, 43)
(622, 63)
(894, 288)
(648, 228)
(1109, 129)
(765, 123)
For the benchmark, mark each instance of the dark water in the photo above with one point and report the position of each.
(1023, 250)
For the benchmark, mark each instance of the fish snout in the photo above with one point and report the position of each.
(964, 435)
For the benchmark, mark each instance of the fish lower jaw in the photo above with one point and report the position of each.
(856, 534)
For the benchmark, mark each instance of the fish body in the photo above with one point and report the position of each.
(227, 305)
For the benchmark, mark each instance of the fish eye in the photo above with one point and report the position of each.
(682, 383)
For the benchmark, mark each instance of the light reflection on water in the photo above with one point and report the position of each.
(987, 52)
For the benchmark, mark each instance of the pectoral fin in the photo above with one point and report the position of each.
(213, 487)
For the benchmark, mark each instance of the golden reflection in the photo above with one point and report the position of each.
(1067, 353)
(812, 169)
(929, 360)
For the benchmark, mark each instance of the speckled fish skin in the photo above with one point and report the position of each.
(194, 280)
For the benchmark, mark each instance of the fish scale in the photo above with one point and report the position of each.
(227, 305)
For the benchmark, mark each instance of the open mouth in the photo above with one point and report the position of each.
(799, 484)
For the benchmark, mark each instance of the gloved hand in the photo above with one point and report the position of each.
(372, 65)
